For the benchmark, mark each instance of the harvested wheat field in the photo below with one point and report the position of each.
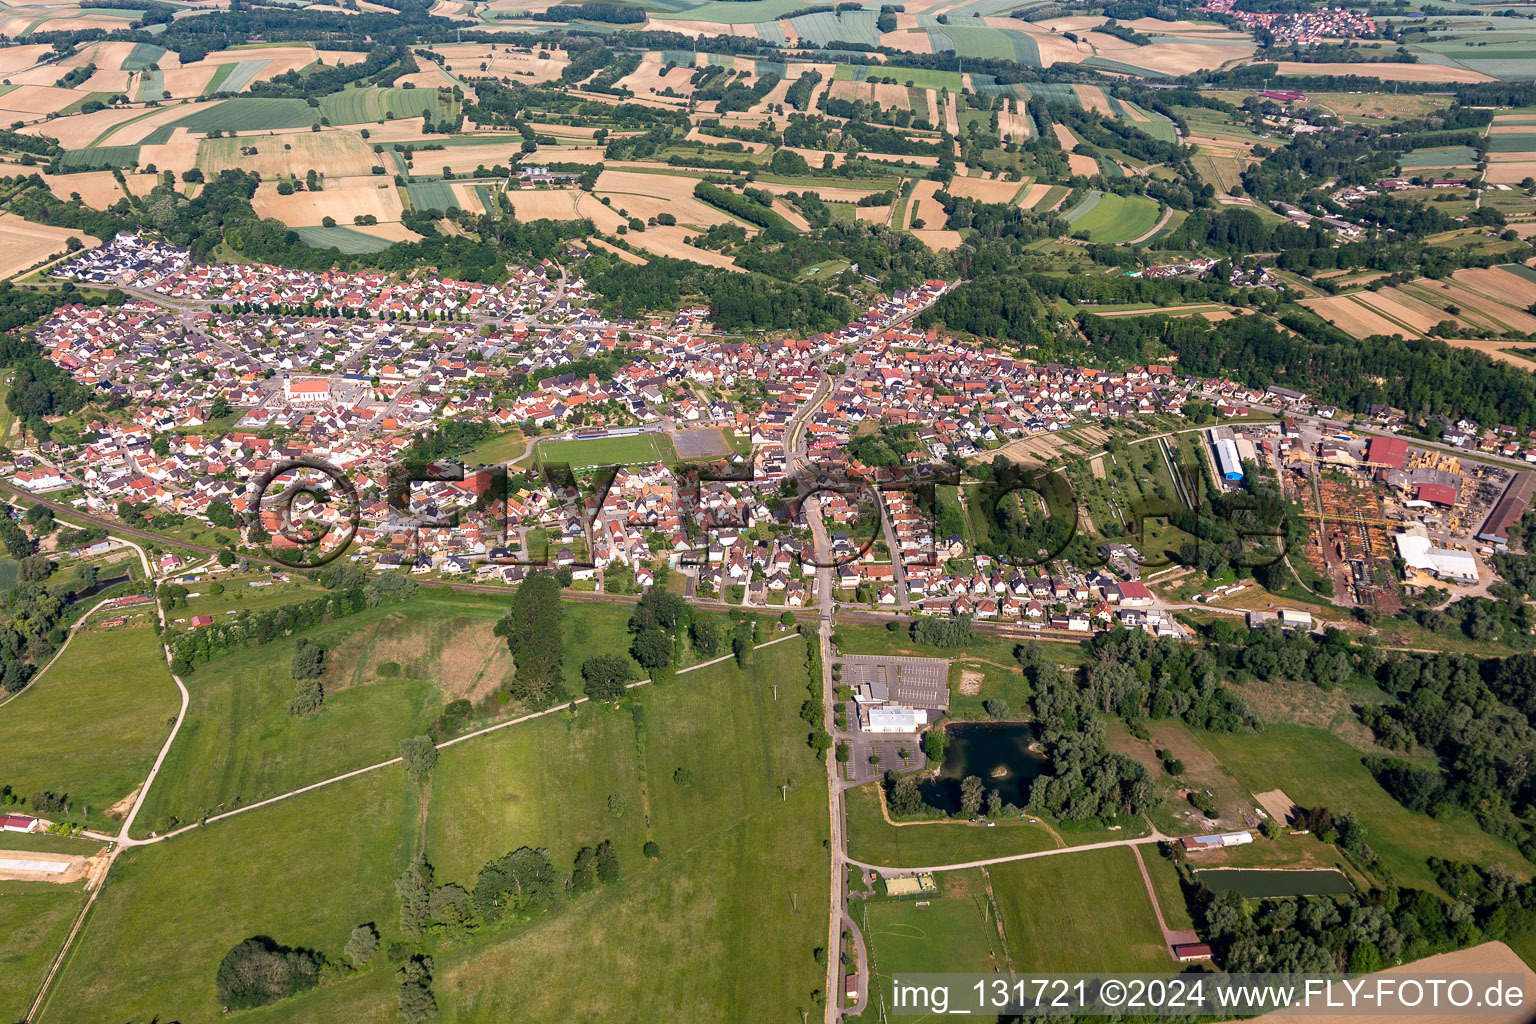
(939, 239)
(1086, 166)
(133, 133)
(1405, 309)
(922, 205)
(872, 214)
(341, 154)
(789, 213)
(179, 154)
(1500, 315)
(1032, 198)
(545, 204)
(647, 195)
(1013, 122)
(985, 190)
(342, 199)
(23, 243)
(33, 101)
(97, 189)
(499, 60)
(1064, 137)
(887, 95)
(1512, 173)
(390, 232)
(19, 58)
(1387, 72)
(652, 77)
(187, 82)
(1501, 284)
(913, 40)
(1073, 24)
(80, 130)
(694, 135)
(951, 115)
(668, 241)
(1093, 99)
(1352, 318)
(106, 81)
(465, 159)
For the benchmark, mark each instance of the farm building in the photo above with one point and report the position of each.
(1189, 952)
(1217, 840)
(19, 823)
(1227, 459)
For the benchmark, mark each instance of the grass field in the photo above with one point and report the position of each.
(343, 239)
(100, 158)
(601, 451)
(1116, 218)
(1084, 912)
(91, 727)
(874, 841)
(33, 922)
(1170, 893)
(741, 876)
(1314, 767)
(239, 744)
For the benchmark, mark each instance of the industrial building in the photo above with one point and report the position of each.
(1228, 462)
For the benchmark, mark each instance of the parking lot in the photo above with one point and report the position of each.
(914, 682)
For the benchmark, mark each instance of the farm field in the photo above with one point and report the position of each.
(339, 154)
(601, 451)
(1085, 911)
(341, 199)
(90, 728)
(306, 870)
(346, 239)
(25, 244)
(34, 918)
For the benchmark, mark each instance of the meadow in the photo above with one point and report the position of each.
(34, 918)
(1085, 911)
(91, 726)
(741, 875)
(1114, 219)
(1315, 767)
(342, 238)
(872, 840)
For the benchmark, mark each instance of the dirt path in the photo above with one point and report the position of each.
(1173, 938)
(1164, 219)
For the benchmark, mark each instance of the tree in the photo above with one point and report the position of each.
(308, 660)
(906, 799)
(650, 850)
(419, 757)
(935, 743)
(652, 648)
(705, 633)
(258, 971)
(604, 677)
(533, 633)
(607, 862)
(584, 871)
(996, 707)
(363, 943)
(970, 795)
(414, 888)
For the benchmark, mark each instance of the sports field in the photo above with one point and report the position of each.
(601, 451)
(90, 728)
(947, 933)
(740, 877)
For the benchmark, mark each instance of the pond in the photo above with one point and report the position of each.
(98, 588)
(996, 752)
(1263, 884)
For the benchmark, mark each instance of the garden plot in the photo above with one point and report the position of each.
(23, 243)
(337, 153)
(342, 200)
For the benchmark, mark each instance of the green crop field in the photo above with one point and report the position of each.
(1086, 911)
(920, 78)
(34, 918)
(432, 195)
(250, 113)
(97, 158)
(740, 875)
(601, 451)
(342, 238)
(1116, 218)
(90, 727)
(1314, 767)
(728, 13)
(143, 56)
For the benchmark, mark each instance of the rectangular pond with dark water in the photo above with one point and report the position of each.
(1257, 884)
